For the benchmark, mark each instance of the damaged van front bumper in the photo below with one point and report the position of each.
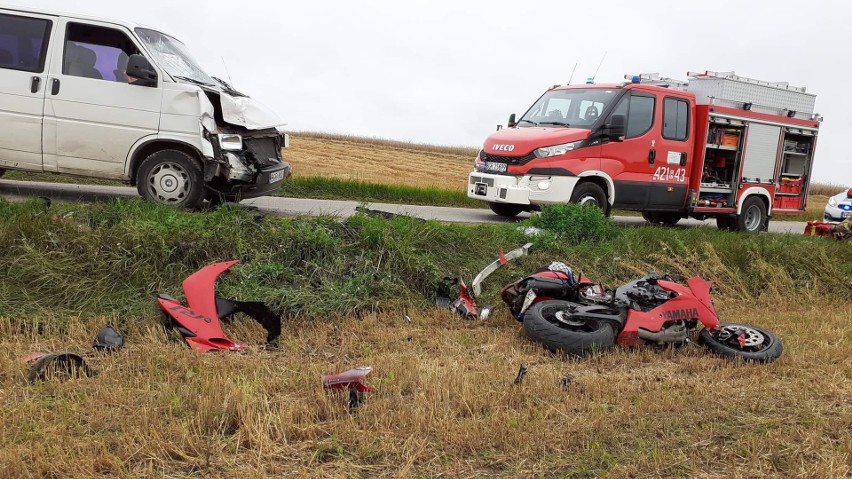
(246, 166)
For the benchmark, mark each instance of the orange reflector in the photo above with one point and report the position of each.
(669, 189)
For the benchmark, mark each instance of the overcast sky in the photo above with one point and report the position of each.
(447, 72)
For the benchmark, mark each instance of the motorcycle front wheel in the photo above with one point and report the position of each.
(554, 325)
(741, 341)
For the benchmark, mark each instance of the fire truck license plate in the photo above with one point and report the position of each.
(492, 166)
(276, 176)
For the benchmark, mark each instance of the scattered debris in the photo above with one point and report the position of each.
(383, 214)
(567, 379)
(476, 285)
(463, 305)
(408, 318)
(521, 373)
(485, 313)
(352, 380)
(530, 230)
(108, 340)
(200, 322)
(43, 364)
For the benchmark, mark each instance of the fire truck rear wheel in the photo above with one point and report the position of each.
(753, 216)
(506, 209)
(590, 194)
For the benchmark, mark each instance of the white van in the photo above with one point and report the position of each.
(110, 99)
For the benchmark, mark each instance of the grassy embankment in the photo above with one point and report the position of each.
(329, 166)
(443, 402)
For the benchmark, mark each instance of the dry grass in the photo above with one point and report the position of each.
(443, 405)
(379, 161)
(825, 190)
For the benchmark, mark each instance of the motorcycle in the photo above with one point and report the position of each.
(577, 316)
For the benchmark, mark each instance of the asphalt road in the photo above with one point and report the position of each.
(301, 206)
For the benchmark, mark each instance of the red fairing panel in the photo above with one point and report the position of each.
(200, 288)
(206, 330)
(200, 321)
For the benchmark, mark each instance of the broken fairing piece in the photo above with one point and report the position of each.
(43, 364)
(353, 380)
(108, 340)
(200, 322)
(476, 285)
(566, 381)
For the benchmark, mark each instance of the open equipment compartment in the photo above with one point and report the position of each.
(725, 140)
(796, 158)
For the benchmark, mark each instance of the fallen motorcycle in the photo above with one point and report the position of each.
(577, 316)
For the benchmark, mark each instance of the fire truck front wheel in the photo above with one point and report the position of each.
(753, 217)
(589, 193)
(508, 210)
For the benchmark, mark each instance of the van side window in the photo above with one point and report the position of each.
(97, 52)
(23, 43)
(675, 119)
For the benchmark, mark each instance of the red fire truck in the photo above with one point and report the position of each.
(718, 146)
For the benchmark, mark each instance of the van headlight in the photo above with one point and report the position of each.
(556, 150)
(229, 141)
(832, 202)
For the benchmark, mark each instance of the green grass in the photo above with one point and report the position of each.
(443, 402)
(115, 257)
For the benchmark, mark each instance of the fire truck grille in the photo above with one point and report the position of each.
(511, 160)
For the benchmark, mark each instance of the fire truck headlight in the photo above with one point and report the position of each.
(556, 150)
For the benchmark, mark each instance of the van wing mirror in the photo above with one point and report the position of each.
(617, 127)
(140, 72)
(512, 122)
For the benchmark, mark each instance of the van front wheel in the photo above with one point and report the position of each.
(171, 177)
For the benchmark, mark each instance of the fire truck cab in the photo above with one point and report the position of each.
(722, 146)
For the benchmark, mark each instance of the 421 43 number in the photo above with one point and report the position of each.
(665, 173)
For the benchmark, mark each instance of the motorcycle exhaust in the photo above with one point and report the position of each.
(672, 334)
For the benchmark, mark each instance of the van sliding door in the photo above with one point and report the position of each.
(24, 49)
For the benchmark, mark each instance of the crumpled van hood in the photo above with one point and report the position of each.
(245, 112)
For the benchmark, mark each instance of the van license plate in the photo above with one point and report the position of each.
(492, 166)
(276, 176)
(846, 214)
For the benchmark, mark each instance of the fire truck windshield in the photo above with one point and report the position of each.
(577, 108)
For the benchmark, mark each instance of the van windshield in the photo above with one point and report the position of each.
(174, 57)
(577, 108)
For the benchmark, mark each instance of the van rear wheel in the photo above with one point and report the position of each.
(171, 177)
(2, 172)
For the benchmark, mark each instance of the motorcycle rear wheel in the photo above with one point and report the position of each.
(552, 324)
(760, 345)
